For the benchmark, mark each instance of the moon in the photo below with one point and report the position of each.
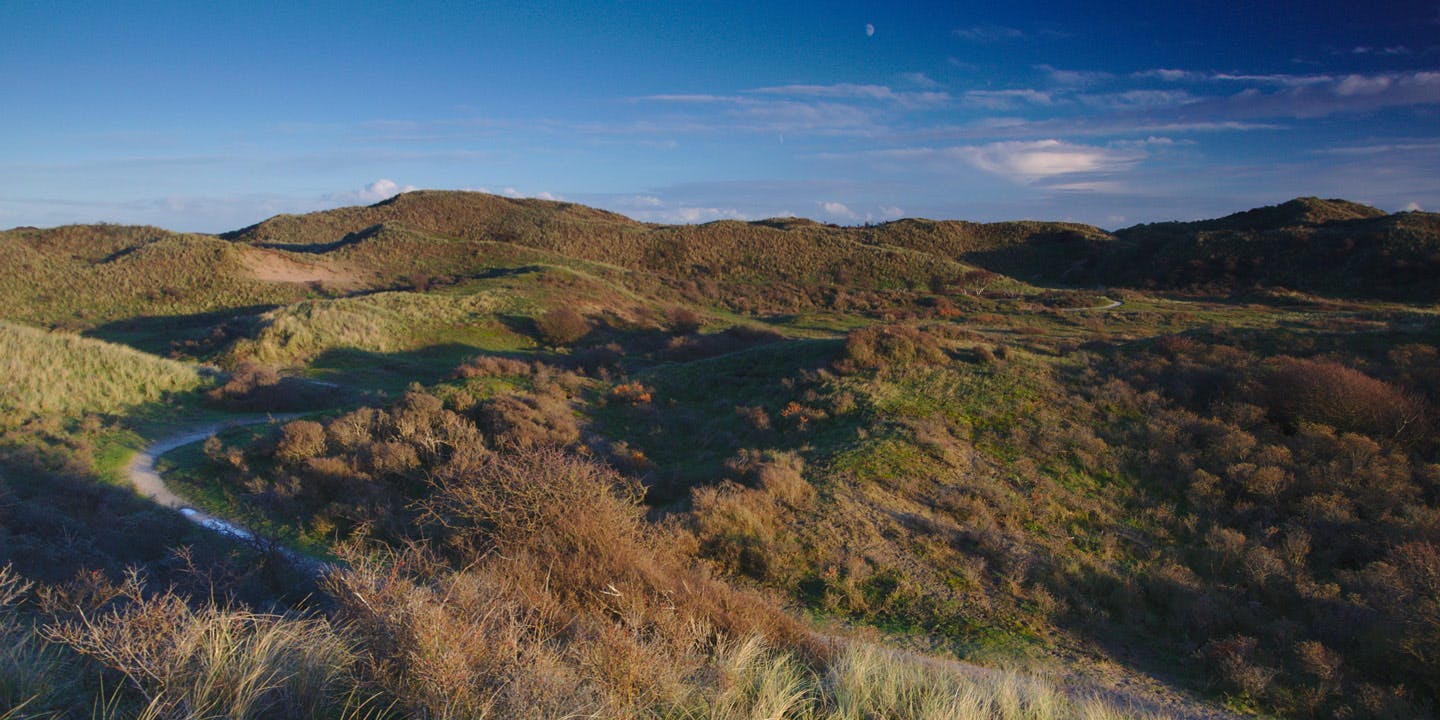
(869, 30)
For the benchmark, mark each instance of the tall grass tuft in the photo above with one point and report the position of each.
(757, 682)
(213, 662)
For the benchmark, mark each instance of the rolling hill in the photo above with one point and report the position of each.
(568, 462)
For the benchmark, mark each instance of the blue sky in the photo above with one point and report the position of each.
(211, 116)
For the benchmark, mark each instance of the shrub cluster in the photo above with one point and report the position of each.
(879, 347)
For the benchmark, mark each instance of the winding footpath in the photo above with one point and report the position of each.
(147, 481)
(1109, 306)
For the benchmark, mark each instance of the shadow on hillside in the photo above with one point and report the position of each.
(198, 335)
(1061, 256)
(63, 521)
(390, 373)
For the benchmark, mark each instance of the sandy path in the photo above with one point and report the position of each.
(146, 479)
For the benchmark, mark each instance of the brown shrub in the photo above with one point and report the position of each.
(779, 474)
(1325, 392)
(391, 458)
(683, 320)
(253, 386)
(299, 440)
(493, 366)
(523, 421)
(562, 326)
(878, 347)
(632, 393)
(754, 416)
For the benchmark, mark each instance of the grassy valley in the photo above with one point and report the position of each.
(558, 462)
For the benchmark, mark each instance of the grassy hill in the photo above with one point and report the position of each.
(80, 276)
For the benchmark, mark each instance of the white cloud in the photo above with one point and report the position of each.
(996, 33)
(1028, 161)
(764, 114)
(1390, 50)
(1174, 75)
(1092, 186)
(382, 189)
(1397, 147)
(1151, 141)
(1351, 93)
(703, 214)
(891, 212)
(1412, 207)
(1168, 75)
(839, 210)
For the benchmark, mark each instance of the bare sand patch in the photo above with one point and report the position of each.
(278, 266)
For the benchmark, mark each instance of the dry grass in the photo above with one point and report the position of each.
(212, 662)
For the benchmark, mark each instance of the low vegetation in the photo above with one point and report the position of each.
(560, 463)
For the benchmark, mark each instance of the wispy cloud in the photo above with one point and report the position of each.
(1137, 99)
(1021, 161)
(919, 79)
(1006, 99)
(1029, 161)
(1194, 76)
(852, 91)
(1347, 94)
(1384, 148)
(991, 33)
(1389, 50)
(1074, 77)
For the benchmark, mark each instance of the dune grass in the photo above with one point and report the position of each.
(380, 323)
(52, 372)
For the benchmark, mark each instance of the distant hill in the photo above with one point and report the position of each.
(786, 249)
(1332, 247)
(85, 275)
(1322, 246)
